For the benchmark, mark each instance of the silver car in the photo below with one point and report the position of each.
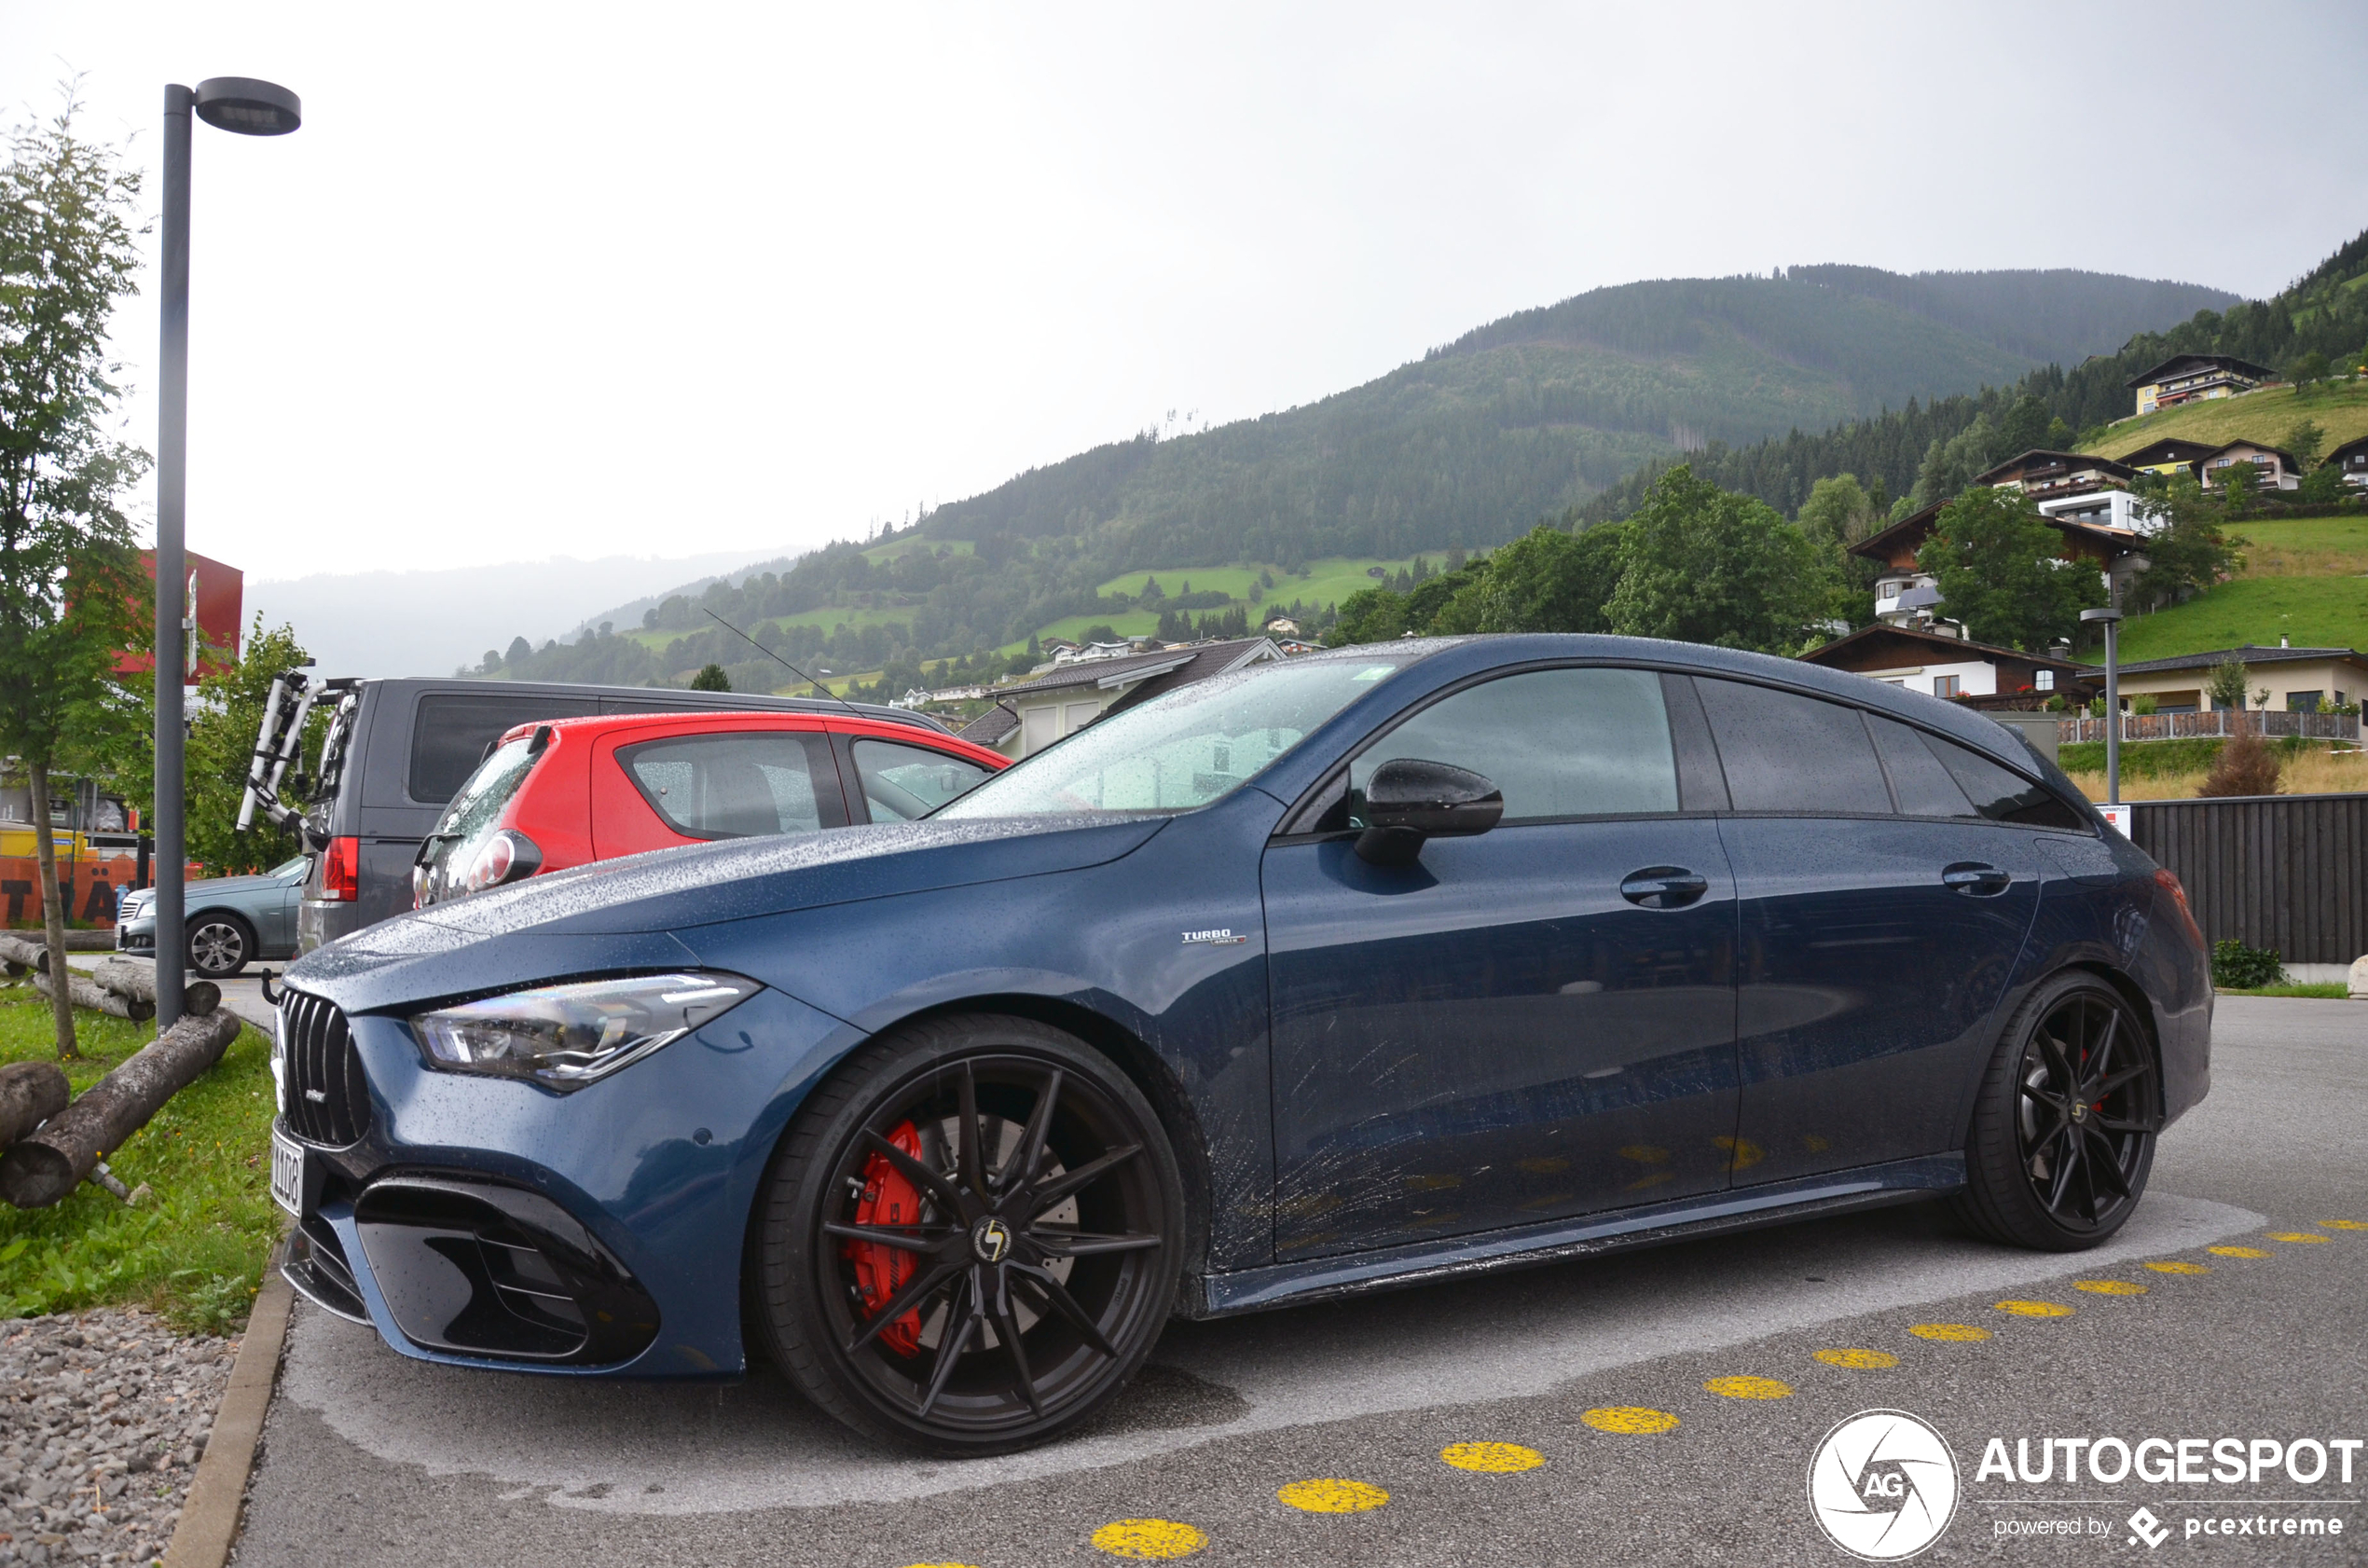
(231, 921)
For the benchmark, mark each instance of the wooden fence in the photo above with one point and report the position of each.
(2288, 871)
(2183, 726)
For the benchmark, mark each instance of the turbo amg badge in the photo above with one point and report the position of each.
(1222, 937)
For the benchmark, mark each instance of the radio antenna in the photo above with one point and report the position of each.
(783, 662)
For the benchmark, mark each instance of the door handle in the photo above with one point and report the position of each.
(1975, 880)
(1663, 887)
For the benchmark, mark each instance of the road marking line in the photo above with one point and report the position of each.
(2035, 1309)
(1332, 1496)
(2181, 1268)
(2346, 1224)
(1954, 1332)
(1148, 1537)
(1862, 1359)
(1494, 1459)
(2236, 1252)
(1750, 1388)
(1629, 1418)
(2296, 1236)
(2108, 1287)
(939, 1565)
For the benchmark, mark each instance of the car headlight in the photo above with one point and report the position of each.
(564, 1037)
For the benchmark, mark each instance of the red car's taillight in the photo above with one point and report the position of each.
(341, 870)
(508, 856)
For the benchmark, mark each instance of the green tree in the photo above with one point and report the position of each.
(2236, 488)
(1367, 615)
(710, 678)
(2304, 441)
(1545, 581)
(1950, 465)
(2306, 371)
(2226, 685)
(2002, 572)
(2191, 549)
(224, 721)
(70, 579)
(1705, 565)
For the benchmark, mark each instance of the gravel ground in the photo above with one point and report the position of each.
(102, 1416)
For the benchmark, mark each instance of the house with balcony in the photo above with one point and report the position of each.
(2192, 378)
(2273, 469)
(1953, 667)
(2170, 456)
(2351, 460)
(2080, 497)
(2297, 680)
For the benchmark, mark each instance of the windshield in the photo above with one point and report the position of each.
(1180, 750)
(474, 813)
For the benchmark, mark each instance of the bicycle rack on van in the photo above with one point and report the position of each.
(278, 746)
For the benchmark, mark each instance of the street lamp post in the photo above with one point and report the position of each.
(2112, 622)
(250, 108)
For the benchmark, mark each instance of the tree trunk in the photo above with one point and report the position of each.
(53, 917)
(81, 992)
(30, 1093)
(136, 982)
(39, 1169)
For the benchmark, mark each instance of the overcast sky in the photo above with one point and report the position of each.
(594, 280)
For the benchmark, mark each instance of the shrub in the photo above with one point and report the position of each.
(2245, 766)
(2235, 967)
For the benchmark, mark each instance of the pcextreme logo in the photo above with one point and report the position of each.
(1882, 1485)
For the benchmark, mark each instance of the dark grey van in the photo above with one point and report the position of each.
(397, 751)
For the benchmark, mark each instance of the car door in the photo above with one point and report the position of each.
(1881, 917)
(898, 781)
(1537, 1021)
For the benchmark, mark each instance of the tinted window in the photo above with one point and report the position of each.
(738, 786)
(451, 730)
(1923, 787)
(903, 782)
(1558, 742)
(1782, 752)
(2001, 795)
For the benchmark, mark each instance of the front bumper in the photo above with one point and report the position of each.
(488, 1222)
(136, 935)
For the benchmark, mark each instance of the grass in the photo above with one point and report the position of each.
(2317, 771)
(2327, 993)
(194, 1248)
(2313, 612)
(2340, 408)
(2306, 547)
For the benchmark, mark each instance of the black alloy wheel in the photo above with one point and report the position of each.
(219, 946)
(971, 1237)
(2064, 1132)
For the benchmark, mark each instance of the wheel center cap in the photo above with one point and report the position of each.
(991, 1240)
(2080, 1110)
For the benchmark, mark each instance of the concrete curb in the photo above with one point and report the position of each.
(210, 1514)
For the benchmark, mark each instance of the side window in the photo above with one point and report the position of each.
(738, 786)
(451, 731)
(1782, 752)
(902, 782)
(2000, 794)
(1558, 742)
(1924, 787)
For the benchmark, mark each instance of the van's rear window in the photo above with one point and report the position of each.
(451, 730)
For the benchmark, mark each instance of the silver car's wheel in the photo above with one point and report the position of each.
(219, 946)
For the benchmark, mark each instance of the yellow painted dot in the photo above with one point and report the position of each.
(1629, 1418)
(1746, 1152)
(1952, 1331)
(1645, 1153)
(939, 1565)
(2295, 1236)
(1864, 1360)
(1750, 1388)
(2236, 1252)
(1494, 1459)
(2346, 1224)
(1332, 1496)
(1148, 1537)
(2035, 1309)
(2108, 1287)
(2181, 1268)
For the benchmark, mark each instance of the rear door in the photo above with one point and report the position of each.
(1882, 914)
(902, 779)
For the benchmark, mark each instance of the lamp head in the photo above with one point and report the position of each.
(2100, 614)
(248, 106)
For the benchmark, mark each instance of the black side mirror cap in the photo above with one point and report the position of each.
(1410, 800)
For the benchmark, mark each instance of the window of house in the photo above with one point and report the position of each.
(1782, 752)
(2043, 681)
(1558, 743)
(738, 786)
(1945, 685)
(2302, 702)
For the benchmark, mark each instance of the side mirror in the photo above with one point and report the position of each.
(1408, 800)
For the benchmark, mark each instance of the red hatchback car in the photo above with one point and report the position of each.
(558, 794)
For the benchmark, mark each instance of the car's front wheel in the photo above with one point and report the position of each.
(971, 1238)
(2063, 1133)
(219, 946)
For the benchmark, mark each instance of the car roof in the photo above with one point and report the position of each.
(707, 721)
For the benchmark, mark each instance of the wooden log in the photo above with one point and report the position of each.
(31, 1092)
(39, 1169)
(81, 992)
(137, 981)
(21, 954)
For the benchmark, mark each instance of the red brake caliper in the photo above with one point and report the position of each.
(880, 1272)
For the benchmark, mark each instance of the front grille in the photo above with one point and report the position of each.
(328, 1097)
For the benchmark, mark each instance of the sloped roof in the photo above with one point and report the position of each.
(2170, 449)
(1212, 658)
(2178, 363)
(2041, 454)
(989, 726)
(1931, 642)
(2248, 653)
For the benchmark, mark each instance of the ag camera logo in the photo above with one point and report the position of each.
(1882, 1485)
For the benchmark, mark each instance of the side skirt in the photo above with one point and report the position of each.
(1285, 1284)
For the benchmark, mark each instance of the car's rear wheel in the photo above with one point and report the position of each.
(219, 946)
(970, 1239)
(2063, 1133)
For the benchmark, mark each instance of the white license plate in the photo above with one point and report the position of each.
(287, 1173)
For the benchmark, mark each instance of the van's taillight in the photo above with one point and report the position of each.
(341, 870)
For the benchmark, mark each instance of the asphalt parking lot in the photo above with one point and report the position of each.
(1657, 1407)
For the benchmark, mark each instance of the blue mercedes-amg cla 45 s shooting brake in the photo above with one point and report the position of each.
(1374, 966)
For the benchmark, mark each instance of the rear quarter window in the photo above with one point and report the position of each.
(1782, 752)
(744, 785)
